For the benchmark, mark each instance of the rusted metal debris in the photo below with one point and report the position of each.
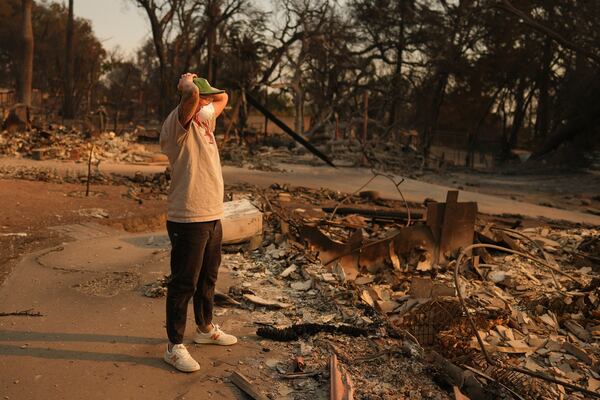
(341, 387)
(452, 225)
(406, 249)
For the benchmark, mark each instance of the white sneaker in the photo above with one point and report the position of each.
(215, 336)
(181, 359)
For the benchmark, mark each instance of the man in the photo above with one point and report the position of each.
(195, 207)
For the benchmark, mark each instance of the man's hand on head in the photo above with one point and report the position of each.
(186, 83)
(190, 96)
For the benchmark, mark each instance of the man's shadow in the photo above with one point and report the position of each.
(57, 354)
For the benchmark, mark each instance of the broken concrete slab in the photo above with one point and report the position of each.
(242, 221)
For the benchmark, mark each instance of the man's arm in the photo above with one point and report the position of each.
(190, 97)
(219, 103)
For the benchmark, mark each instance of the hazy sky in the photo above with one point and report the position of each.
(118, 22)
(115, 22)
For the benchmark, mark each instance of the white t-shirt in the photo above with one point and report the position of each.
(196, 192)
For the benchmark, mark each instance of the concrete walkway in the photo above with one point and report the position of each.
(342, 179)
(100, 338)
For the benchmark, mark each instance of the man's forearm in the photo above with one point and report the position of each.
(190, 98)
(219, 102)
(220, 97)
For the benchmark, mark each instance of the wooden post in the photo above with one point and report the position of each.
(242, 115)
(366, 116)
(337, 126)
(89, 176)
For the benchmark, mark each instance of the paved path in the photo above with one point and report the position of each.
(342, 179)
(100, 338)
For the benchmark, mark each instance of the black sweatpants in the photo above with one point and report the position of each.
(195, 260)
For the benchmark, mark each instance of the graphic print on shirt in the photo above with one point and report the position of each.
(205, 119)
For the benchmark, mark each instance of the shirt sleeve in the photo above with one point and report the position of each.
(172, 132)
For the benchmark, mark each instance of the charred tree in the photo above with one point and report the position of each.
(26, 71)
(68, 105)
(160, 16)
(213, 11)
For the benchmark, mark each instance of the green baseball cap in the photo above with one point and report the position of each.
(205, 88)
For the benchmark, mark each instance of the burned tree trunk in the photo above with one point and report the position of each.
(68, 105)
(213, 11)
(474, 134)
(434, 112)
(521, 104)
(158, 25)
(396, 87)
(26, 75)
(542, 118)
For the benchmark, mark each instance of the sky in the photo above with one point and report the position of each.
(117, 22)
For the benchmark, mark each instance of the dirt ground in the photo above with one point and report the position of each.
(31, 208)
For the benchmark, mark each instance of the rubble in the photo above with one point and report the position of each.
(532, 294)
(64, 143)
(157, 288)
(140, 186)
(534, 317)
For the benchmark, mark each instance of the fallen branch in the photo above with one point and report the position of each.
(295, 331)
(24, 313)
(256, 104)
